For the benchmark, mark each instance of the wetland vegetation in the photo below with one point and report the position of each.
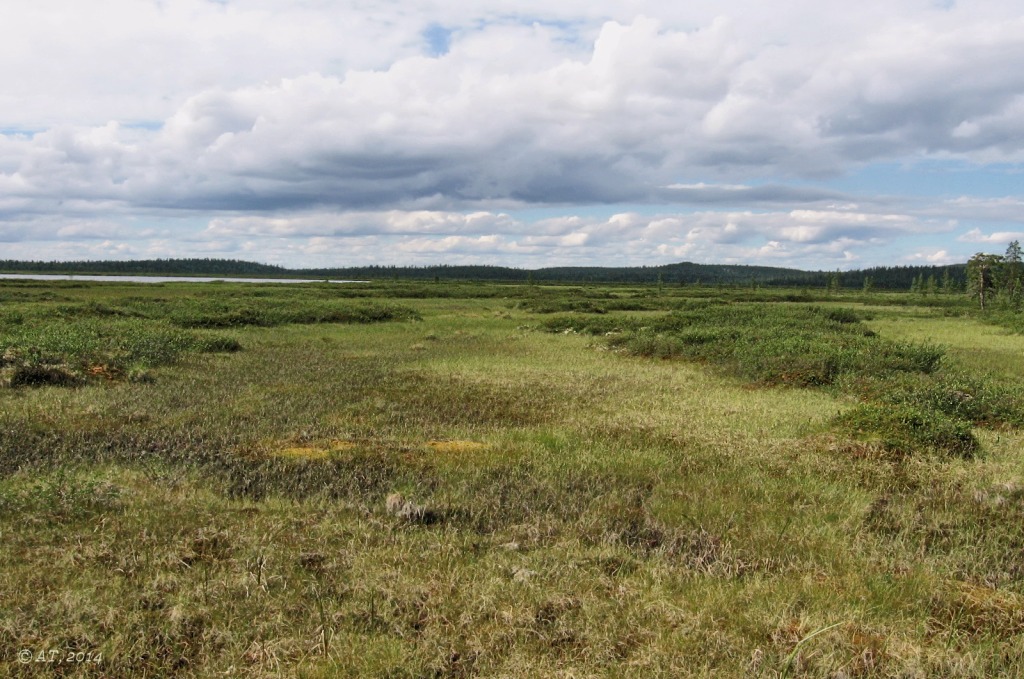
(450, 479)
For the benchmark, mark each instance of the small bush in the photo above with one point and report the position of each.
(588, 324)
(62, 497)
(842, 316)
(903, 429)
(218, 344)
(981, 401)
(652, 345)
(36, 375)
(912, 357)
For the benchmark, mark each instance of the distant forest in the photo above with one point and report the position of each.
(143, 267)
(683, 273)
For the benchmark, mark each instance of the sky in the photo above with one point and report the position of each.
(814, 134)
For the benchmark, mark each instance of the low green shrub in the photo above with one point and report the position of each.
(61, 497)
(546, 306)
(269, 313)
(842, 315)
(64, 352)
(911, 357)
(795, 345)
(218, 344)
(602, 304)
(983, 401)
(589, 325)
(650, 344)
(904, 429)
(37, 375)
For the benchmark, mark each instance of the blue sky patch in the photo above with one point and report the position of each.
(438, 39)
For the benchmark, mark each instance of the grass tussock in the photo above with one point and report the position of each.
(903, 429)
(266, 314)
(70, 353)
(788, 345)
(983, 401)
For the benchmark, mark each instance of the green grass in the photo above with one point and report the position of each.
(575, 507)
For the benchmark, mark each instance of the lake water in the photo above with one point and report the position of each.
(161, 279)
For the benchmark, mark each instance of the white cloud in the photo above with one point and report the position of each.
(423, 237)
(701, 186)
(933, 257)
(481, 123)
(319, 120)
(996, 238)
(1004, 209)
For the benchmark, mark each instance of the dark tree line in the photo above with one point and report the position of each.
(682, 273)
(948, 279)
(143, 267)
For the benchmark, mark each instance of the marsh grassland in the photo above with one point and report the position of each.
(455, 480)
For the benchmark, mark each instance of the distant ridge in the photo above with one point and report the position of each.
(685, 273)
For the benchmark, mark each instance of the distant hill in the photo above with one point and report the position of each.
(682, 273)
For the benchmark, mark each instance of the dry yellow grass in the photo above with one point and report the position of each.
(456, 446)
(307, 452)
(319, 451)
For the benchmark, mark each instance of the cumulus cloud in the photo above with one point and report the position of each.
(426, 126)
(932, 257)
(995, 238)
(426, 237)
(392, 222)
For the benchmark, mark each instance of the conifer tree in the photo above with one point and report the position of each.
(1011, 275)
(981, 275)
